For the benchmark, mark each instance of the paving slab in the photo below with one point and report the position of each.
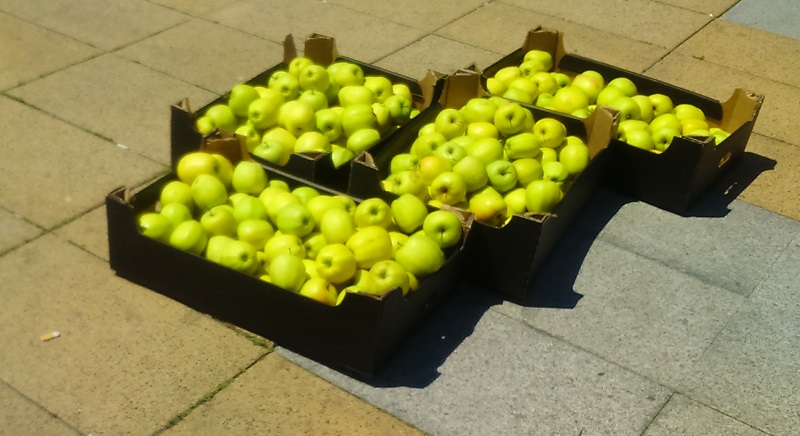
(195, 7)
(116, 98)
(52, 171)
(778, 16)
(114, 23)
(127, 360)
(29, 51)
(502, 28)
(633, 311)
(419, 14)
(436, 53)
(89, 231)
(712, 7)
(719, 82)
(206, 54)
(275, 396)
(15, 230)
(683, 416)
(653, 22)
(471, 370)
(20, 415)
(750, 371)
(358, 35)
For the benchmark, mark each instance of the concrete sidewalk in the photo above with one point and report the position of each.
(643, 322)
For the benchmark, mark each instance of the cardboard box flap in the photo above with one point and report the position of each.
(428, 85)
(741, 107)
(460, 87)
(227, 144)
(544, 39)
(321, 49)
(600, 128)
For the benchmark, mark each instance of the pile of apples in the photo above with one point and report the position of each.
(311, 108)
(649, 122)
(491, 158)
(319, 245)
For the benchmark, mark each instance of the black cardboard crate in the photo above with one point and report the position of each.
(316, 167)
(674, 179)
(356, 337)
(502, 259)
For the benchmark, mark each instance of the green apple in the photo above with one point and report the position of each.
(523, 145)
(373, 212)
(297, 64)
(279, 134)
(208, 191)
(628, 108)
(387, 275)
(541, 196)
(609, 94)
(154, 226)
(240, 97)
(337, 225)
(479, 110)
(295, 219)
(280, 244)
(449, 188)
(555, 171)
(409, 182)
(502, 175)
(402, 90)
(315, 99)
(252, 137)
(486, 149)
(329, 123)
(346, 73)
(272, 151)
(347, 202)
(518, 94)
(641, 139)
(399, 108)
(489, 207)
(176, 191)
(362, 140)
(629, 125)
(443, 227)
(255, 231)
(420, 256)
(403, 162)
(510, 119)
(222, 116)
(239, 256)
(506, 75)
(543, 58)
(562, 80)
(666, 120)
(317, 288)
(370, 245)
(429, 167)
(380, 86)
(247, 207)
(189, 236)
(288, 272)
(689, 125)
(398, 239)
(574, 157)
(355, 94)
(719, 134)
(516, 201)
(589, 84)
(304, 193)
(286, 84)
(358, 117)
(544, 82)
(549, 132)
(215, 247)
(528, 170)
(687, 111)
(408, 212)
(646, 109)
(277, 201)
(544, 100)
(321, 204)
(473, 171)
(548, 155)
(219, 220)
(176, 213)
(662, 104)
(313, 243)
(341, 155)
(383, 118)
(425, 144)
(263, 112)
(495, 87)
(481, 129)
(224, 169)
(569, 99)
(195, 163)
(314, 78)
(625, 85)
(336, 263)
(662, 137)
(451, 151)
(450, 123)
(297, 117)
(312, 141)
(249, 178)
(204, 125)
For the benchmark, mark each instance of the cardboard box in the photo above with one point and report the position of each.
(355, 337)
(502, 259)
(674, 179)
(316, 167)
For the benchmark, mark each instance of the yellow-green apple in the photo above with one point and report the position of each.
(662, 137)
(640, 138)
(240, 97)
(402, 90)
(581, 113)
(450, 123)
(297, 64)
(215, 246)
(443, 227)
(304, 193)
(387, 275)
(427, 128)
(516, 201)
(719, 134)
(518, 94)
(408, 213)
(195, 163)
(154, 226)
(574, 156)
(176, 213)
(346, 73)
(337, 225)
(522, 145)
(548, 155)
(224, 169)
(628, 108)
(249, 178)
(451, 151)
(541, 196)
(313, 243)
(646, 109)
(525, 85)
(666, 120)
(281, 243)
(246, 206)
(689, 125)
(295, 219)
(479, 110)
(297, 117)
(509, 119)
(502, 175)
(544, 82)
(561, 79)
(336, 263)
(358, 117)
(543, 58)
(506, 75)
(380, 86)
(189, 236)
(263, 112)
(208, 191)
(482, 129)
(464, 141)
(279, 134)
(569, 99)
(473, 171)
(424, 145)
(383, 118)
(219, 220)
(315, 99)
(543, 100)
(403, 162)
(239, 256)
(495, 86)
(609, 94)
(590, 84)
(486, 149)
(555, 172)
(288, 272)
(278, 200)
(355, 94)
(489, 207)
(409, 182)
(398, 240)
(399, 108)
(373, 212)
(341, 155)
(317, 288)
(272, 151)
(370, 245)
(420, 256)
(312, 141)
(549, 132)
(286, 84)
(430, 166)
(528, 170)
(255, 231)
(222, 117)
(662, 104)
(362, 140)
(625, 85)
(449, 188)
(686, 111)
(204, 125)
(251, 136)
(328, 123)
(176, 191)
(314, 78)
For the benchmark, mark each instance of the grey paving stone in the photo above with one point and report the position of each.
(750, 371)
(682, 416)
(89, 231)
(419, 14)
(116, 98)
(358, 35)
(630, 310)
(21, 416)
(777, 16)
(206, 54)
(114, 23)
(195, 7)
(14, 230)
(473, 371)
(713, 7)
(127, 361)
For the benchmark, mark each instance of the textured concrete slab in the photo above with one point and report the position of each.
(648, 21)
(633, 311)
(51, 171)
(114, 23)
(712, 7)
(116, 98)
(724, 42)
(502, 28)
(128, 359)
(473, 371)
(15, 230)
(682, 416)
(750, 372)
(778, 16)
(89, 231)
(419, 14)
(193, 53)
(29, 51)
(717, 81)
(275, 396)
(194, 7)
(436, 53)
(358, 35)
(20, 415)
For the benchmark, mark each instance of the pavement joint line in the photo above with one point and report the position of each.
(663, 406)
(42, 408)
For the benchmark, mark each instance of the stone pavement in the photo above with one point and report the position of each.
(643, 322)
